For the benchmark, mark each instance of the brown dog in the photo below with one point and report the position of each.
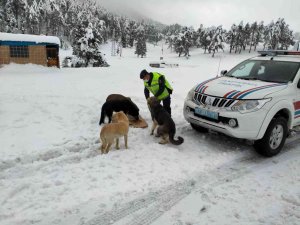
(166, 129)
(118, 128)
(113, 97)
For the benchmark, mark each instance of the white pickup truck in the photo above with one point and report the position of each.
(258, 100)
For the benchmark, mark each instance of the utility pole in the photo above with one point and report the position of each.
(162, 51)
(113, 45)
(120, 48)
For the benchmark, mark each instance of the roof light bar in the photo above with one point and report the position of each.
(278, 52)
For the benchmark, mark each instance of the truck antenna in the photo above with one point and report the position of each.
(219, 66)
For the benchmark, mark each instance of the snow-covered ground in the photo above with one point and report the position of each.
(51, 170)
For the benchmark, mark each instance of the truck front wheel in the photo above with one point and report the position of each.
(274, 138)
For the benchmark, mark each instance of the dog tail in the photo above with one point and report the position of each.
(102, 114)
(179, 140)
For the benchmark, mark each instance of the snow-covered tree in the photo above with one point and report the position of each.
(256, 31)
(64, 18)
(131, 32)
(33, 16)
(259, 34)
(231, 37)
(15, 14)
(217, 40)
(197, 36)
(206, 37)
(88, 47)
(285, 37)
(183, 42)
(246, 36)
(153, 35)
(140, 42)
(2, 20)
(278, 35)
(239, 40)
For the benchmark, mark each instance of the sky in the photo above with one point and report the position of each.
(211, 12)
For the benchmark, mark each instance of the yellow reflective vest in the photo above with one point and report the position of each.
(154, 86)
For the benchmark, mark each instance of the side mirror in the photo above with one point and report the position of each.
(223, 72)
(298, 85)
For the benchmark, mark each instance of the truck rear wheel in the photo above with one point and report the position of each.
(274, 138)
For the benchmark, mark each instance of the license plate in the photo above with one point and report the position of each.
(207, 113)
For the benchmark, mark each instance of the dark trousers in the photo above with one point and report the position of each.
(167, 104)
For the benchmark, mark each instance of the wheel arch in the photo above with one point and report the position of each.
(280, 109)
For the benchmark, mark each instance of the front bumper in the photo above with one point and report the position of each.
(248, 124)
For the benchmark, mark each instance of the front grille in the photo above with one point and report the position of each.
(213, 101)
(222, 119)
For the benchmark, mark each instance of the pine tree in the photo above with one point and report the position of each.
(216, 41)
(124, 32)
(152, 34)
(88, 47)
(198, 35)
(231, 37)
(2, 20)
(253, 31)
(205, 39)
(64, 18)
(179, 44)
(268, 33)
(33, 18)
(15, 15)
(246, 36)
(131, 31)
(259, 34)
(239, 41)
(285, 37)
(140, 42)
(183, 42)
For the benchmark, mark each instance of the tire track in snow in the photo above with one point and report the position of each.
(230, 171)
(155, 204)
(58, 151)
(146, 209)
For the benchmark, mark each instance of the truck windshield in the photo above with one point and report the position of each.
(265, 70)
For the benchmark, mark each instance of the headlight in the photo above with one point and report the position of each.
(245, 106)
(191, 94)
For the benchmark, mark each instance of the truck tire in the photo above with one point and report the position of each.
(274, 138)
(199, 128)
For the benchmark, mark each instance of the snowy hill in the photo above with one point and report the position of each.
(52, 172)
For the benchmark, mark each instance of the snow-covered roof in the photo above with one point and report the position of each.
(29, 38)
